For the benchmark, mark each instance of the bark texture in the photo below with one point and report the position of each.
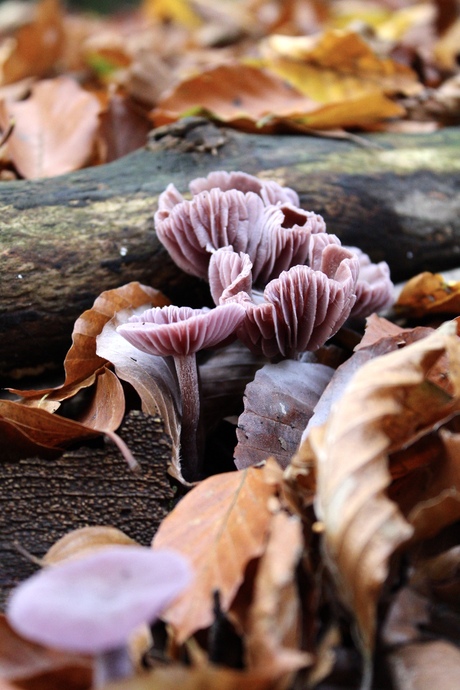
(41, 500)
(64, 240)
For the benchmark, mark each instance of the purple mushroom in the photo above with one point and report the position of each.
(92, 604)
(297, 311)
(181, 332)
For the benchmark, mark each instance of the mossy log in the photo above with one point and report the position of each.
(64, 240)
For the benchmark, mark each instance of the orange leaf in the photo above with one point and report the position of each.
(256, 100)
(429, 293)
(36, 45)
(387, 404)
(107, 407)
(54, 129)
(25, 431)
(335, 66)
(219, 526)
(274, 634)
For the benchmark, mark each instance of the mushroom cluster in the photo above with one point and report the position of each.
(255, 245)
(280, 282)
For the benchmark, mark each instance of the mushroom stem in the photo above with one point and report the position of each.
(114, 664)
(187, 374)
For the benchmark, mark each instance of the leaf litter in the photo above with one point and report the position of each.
(350, 553)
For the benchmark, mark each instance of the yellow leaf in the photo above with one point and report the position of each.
(179, 11)
(335, 66)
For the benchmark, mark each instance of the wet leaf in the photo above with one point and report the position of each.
(82, 363)
(429, 293)
(277, 407)
(54, 130)
(107, 408)
(220, 525)
(387, 404)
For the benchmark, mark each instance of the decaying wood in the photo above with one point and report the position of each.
(64, 240)
(41, 500)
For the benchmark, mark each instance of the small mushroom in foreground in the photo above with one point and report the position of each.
(92, 604)
(181, 332)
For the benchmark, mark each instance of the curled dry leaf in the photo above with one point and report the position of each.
(429, 293)
(152, 377)
(273, 635)
(220, 525)
(27, 431)
(82, 363)
(55, 128)
(277, 406)
(389, 403)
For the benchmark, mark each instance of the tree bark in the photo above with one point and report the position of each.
(64, 240)
(41, 500)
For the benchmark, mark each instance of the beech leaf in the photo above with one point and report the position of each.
(256, 100)
(55, 128)
(152, 377)
(277, 407)
(220, 525)
(26, 431)
(273, 637)
(82, 363)
(83, 540)
(429, 293)
(387, 404)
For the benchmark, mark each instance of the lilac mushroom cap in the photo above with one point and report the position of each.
(181, 331)
(92, 604)
(300, 309)
(374, 288)
(269, 191)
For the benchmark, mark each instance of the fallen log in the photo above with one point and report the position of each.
(64, 240)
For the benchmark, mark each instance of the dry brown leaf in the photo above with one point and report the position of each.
(35, 47)
(426, 665)
(277, 406)
(107, 407)
(123, 128)
(37, 668)
(387, 404)
(336, 65)
(204, 677)
(256, 100)
(54, 129)
(152, 377)
(220, 525)
(273, 635)
(27, 431)
(82, 363)
(81, 541)
(429, 293)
